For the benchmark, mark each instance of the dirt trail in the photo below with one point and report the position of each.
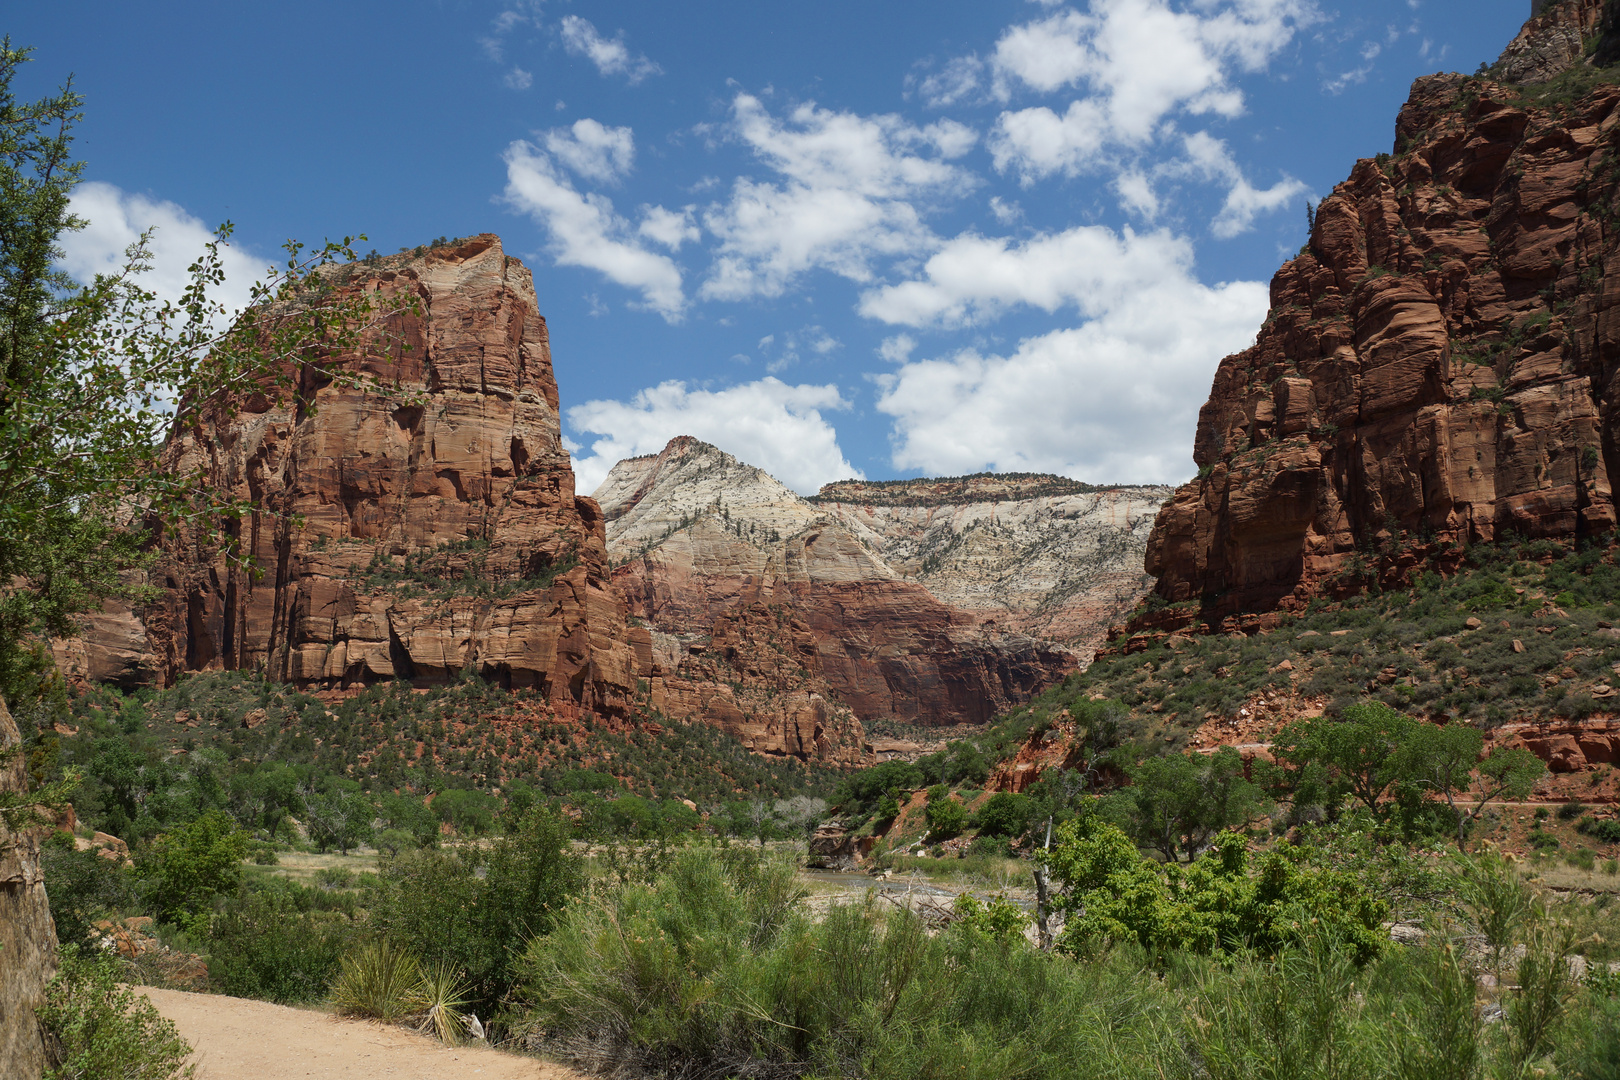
(236, 1039)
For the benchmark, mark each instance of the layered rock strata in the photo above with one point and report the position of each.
(698, 536)
(414, 524)
(1038, 555)
(1441, 364)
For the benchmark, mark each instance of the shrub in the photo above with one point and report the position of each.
(96, 1029)
(379, 981)
(334, 877)
(946, 818)
(473, 909)
(1004, 814)
(263, 946)
(1215, 904)
(83, 887)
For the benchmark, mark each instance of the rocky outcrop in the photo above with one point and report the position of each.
(698, 536)
(1551, 41)
(756, 675)
(1440, 366)
(415, 524)
(1038, 555)
(27, 934)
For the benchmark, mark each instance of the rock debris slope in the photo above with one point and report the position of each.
(1440, 363)
(917, 608)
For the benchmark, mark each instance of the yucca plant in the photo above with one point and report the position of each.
(380, 981)
(442, 994)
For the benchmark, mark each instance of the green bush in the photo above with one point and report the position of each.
(189, 866)
(1217, 903)
(946, 818)
(715, 971)
(473, 908)
(83, 887)
(97, 1029)
(264, 945)
(1004, 814)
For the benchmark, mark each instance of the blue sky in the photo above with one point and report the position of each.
(888, 238)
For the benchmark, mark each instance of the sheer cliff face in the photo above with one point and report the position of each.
(1441, 366)
(918, 604)
(411, 535)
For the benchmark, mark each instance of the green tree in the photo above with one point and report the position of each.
(189, 866)
(339, 817)
(1444, 761)
(1358, 756)
(1004, 814)
(946, 818)
(94, 377)
(1177, 802)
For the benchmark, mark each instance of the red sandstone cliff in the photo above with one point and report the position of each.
(1441, 365)
(407, 535)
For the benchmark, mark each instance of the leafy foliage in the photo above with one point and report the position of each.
(1218, 903)
(97, 1029)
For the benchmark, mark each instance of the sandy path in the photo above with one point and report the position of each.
(236, 1039)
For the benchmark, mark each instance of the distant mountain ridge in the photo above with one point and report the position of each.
(920, 609)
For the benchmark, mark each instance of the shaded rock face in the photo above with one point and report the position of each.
(756, 675)
(698, 536)
(1440, 367)
(27, 933)
(412, 535)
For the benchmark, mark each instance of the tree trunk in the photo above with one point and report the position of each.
(1043, 893)
(27, 932)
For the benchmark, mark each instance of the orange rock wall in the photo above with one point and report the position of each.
(461, 463)
(1442, 364)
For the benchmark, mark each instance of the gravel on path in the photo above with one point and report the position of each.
(237, 1039)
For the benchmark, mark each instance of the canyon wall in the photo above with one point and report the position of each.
(1037, 555)
(924, 605)
(1441, 363)
(414, 524)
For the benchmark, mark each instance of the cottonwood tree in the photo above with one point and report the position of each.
(1392, 763)
(1445, 761)
(1178, 802)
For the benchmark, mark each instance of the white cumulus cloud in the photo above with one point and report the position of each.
(1209, 157)
(1114, 399)
(593, 150)
(1137, 62)
(585, 231)
(610, 55)
(116, 220)
(973, 278)
(767, 423)
(848, 194)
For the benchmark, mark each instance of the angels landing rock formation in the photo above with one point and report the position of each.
(700, 539)
(412, 533)
(1441, 364)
